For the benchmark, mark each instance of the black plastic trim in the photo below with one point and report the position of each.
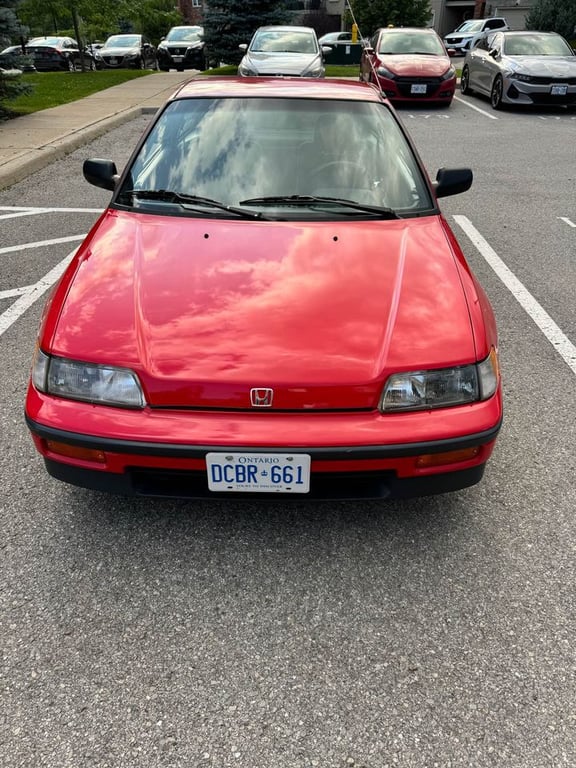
(339, 453)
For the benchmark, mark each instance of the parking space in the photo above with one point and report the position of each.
(434, 631)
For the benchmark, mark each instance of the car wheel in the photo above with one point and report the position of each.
(465, 81)
(496, 93)
(71, 65)
(92, 65)
(140, 64)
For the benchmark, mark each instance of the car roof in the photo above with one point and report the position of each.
(411, 30)
(283, 87)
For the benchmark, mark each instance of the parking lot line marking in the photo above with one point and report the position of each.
(473, 106)
(14, 292)
(567, 221)
(535, 311)
(35, 209)
(41, 243)
(35, 292)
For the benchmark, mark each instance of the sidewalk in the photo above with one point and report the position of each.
(31, 142)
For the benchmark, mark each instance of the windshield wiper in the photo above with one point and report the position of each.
(307, 200)
(167, 196)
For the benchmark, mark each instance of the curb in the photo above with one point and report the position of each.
(29, 161)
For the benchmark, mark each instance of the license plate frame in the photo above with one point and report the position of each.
(558, 90)
(419, 88)
(255, 472)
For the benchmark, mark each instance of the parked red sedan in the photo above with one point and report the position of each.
(410, 65)
(271, 304)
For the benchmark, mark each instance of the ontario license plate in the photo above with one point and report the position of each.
(258, 472)
(558, 90)
(113, 60)
(178, 58)
(418, 88)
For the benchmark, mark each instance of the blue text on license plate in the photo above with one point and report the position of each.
(258, 472)
(559, 90)
(418, 88)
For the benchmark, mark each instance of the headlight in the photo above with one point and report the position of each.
(449, 74)
(315, 70)
(245, 71)
(521, 77)
(161, 47)
(383, 72)
(89, 382)
(131, 54)
(423, 390)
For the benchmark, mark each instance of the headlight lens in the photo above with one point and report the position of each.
(423, 390)
(131, 54)
(449, 74)
(316, 70)
(76, 380)
(521, 77)
(383, 72)
(245, 71)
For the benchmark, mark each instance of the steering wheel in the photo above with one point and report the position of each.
(344, 165)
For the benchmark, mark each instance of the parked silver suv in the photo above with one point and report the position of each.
(465, 37)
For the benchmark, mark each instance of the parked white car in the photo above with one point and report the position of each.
(465, 37)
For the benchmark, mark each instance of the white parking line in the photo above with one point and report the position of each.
(35, 292)
(473, 106)
(41, 243)
(14, 292)
(567, 221)
(555, 336)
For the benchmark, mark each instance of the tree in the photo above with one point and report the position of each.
(228, 23)
(10, 29)
(553, 16)
(372, 14)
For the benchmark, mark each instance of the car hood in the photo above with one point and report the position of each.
(553, 66)
(173, 44)
(119, 51)
(413, 64)
(280, 63)
(322, 312)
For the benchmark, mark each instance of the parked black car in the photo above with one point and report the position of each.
(182, 48)
(126, 51)
(56, 53)
(14, 57)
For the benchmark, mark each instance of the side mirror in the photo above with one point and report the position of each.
(451, 51)
(326, 49)
(243, 46)
(452, 181)
(101, 173)
(493, 52)
(369, 50)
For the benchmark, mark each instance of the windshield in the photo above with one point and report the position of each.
(470, 26)
(45, 41)
(238, 149)
(534, 44)
(122, 41)
(184, 35)
(400, 42)
(284, 41)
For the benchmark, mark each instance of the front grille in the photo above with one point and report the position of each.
(113, 60)
(404, 85)
(552, 81)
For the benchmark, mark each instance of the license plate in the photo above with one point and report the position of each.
(418, 88)
(258, 472)
(559, 90)
(177, 58)
(113, 60)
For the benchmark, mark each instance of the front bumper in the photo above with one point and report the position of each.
(519, 92)
(418, 89)
(353, 454)
(181, 59)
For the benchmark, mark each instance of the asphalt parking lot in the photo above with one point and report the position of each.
(431, 632)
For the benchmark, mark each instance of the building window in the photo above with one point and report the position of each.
(196, 3)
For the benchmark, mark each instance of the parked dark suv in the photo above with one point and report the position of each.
(182, 48)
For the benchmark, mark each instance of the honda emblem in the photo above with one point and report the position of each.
(261, 397)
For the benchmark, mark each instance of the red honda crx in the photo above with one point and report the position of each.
(272, 303)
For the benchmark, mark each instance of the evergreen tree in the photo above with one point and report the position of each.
(228, 23)
(372, 14)
(10, 30)
(553, 16)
